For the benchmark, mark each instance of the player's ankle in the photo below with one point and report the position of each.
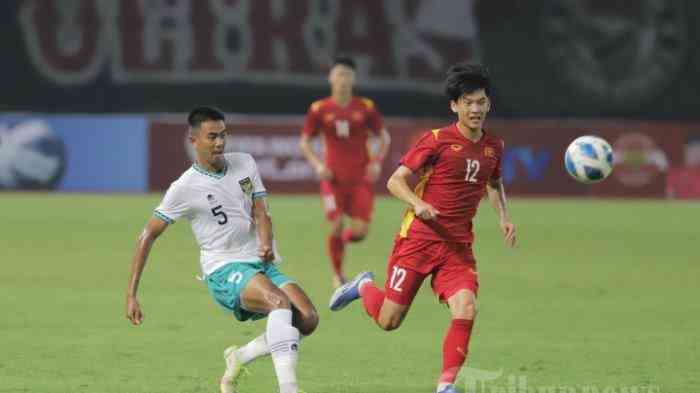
(362, 284)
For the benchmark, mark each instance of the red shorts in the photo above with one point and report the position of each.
(452, 266)
(354, 200)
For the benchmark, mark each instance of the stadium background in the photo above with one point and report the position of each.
(93, 99)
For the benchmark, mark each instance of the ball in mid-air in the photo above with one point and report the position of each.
(589, 159)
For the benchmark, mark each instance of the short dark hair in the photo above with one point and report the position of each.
(465, 78)
(201, 114)
(344, 60)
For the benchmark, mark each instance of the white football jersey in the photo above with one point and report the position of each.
(219, 207)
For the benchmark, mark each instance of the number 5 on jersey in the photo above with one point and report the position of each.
(398, 275)
(217, 212)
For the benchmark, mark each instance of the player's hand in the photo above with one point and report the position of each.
(266, 253)
(133, 311)
(374, 169)
(425, 211)
(323, 172)
(508, 229)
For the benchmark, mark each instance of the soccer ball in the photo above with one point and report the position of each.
(589, 159)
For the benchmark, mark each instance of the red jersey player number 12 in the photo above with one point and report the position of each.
(457, 165)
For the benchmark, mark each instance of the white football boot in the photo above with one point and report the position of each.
(232, 372)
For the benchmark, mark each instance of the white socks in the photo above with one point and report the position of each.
(283, 342)
(252, 350)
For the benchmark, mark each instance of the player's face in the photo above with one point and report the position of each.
(472, 108)
(210, 141)
(342, 79)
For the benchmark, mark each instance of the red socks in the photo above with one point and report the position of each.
(372, 299)
(455, 348)
(336, 250)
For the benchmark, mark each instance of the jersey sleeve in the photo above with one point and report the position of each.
(421, 153)
(497, 171)
(259, 190)
(312, 122)
(173, 206)
(375, 121)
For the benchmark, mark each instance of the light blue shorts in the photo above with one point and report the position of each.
(228, 282)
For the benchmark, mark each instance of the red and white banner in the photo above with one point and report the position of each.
(646, 153)
(404, 44)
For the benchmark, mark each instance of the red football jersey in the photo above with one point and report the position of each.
(454, 172)
(345, 131)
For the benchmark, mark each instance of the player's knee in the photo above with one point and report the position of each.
(358, 235)
(277, 300)
(470, 311)
(391, 323)
(463, 305)
(305, 318)
(309, 323)
(465, 310)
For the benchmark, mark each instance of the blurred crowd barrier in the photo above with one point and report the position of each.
(140, 153)
(549, 58)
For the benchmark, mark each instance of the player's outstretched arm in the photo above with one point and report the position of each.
(398, 186)
(154, 228)
(308, 151)
(497, 197)
(263, 227)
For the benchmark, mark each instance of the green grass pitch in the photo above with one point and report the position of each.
(598, 293)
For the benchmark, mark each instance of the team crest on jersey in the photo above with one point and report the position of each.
(328, 117)
(246, 185)
(457, 147)
(358, 116)
(211, 199)
(489, 152)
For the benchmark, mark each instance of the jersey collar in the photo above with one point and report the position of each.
(215, 175)
(346, 106)
(455, 129)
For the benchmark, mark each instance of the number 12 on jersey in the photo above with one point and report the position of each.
(472, 169)
(398, 275)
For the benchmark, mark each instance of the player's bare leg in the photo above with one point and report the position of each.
(456, 344)
(388, 314)
(391, 315)
(305, 316)
(356, 232)
(281, 337)
(336, 249)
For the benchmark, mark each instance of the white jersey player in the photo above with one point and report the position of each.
(223, 197)
(219, 207)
